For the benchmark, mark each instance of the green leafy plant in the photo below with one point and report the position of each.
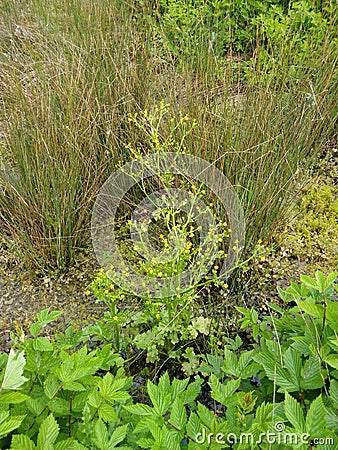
(64, 396)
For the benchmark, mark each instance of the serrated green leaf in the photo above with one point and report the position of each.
(315, 418)
(12, 423)
(14, 369)
(332, 360)
(118, 435)
(69, 444)
(205, 415)
(73, 386)
(35, 329)
(309, 282)
(48, 433)
(194, 426)
(35, 405)
(140, 409)
(334, 392)
(178, 416)
(294, 413)
(172, 439)
(51, 386)
(42, 344)
(160, 401)
(164, 383)
(293, 364)
(22, 442)
(145, 443)
(59, 406)
(332, 315)
(311, 309)
(107, 413)
(178, 386)
(320, 278)
(222, 393)
(44, 317)
(311, 373)
(191, 392)
(12, 397)
(100, 435)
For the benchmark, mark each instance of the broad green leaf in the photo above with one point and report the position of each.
(172, 439)
(145, 443)
(311, 309)
(160, 401)
(14, 369)
(164, 383)
(107, 413)
(12, 397)
(315, 418)
(22, 442)
(69, 444)
(178, 386)
(334, 392)
(101, 435)
(51, 386)
(118, 435)
(140, 409)
(59, 407)
(44, 317)
(311, 373)
(309, 282)
(293, 364)
(42, 344)
(192, 391)
(294, 412)
(205, 415)
(48, 433)
(222, 392)
(194, 426)
(332, 315)
(10, 424)
(331, 278)
(332, 360)
(178, 416)
(36, 405)
(321, 281)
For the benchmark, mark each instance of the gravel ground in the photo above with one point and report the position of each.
(21, 298)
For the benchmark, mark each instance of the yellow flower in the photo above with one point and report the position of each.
(160, 274)
(101, 270)
(225, 286)
(220, 239)
(161, 236)
(219, 343)
(112, 287)
(216, 267)
(87, 292)
(106, 291)
(259, 241)
(158, 316)
(122, 296)
(115, 318)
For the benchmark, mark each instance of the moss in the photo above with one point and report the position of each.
(312, 237)
(309, 242)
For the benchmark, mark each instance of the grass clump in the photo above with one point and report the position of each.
(73, 74)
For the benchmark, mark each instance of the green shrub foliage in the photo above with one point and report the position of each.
(60, 393)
